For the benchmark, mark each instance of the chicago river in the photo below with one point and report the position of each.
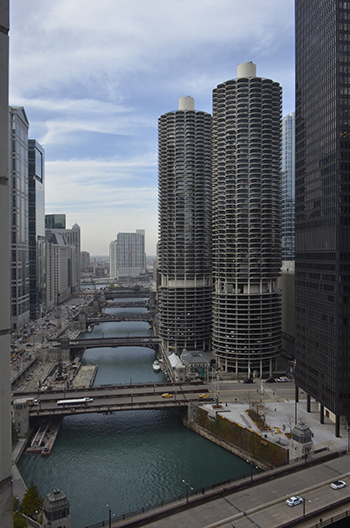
(130, 459)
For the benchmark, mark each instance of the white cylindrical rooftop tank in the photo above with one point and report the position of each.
(186, 103)
(247, 69)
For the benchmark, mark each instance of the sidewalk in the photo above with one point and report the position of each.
(19, 487)
(280, 417)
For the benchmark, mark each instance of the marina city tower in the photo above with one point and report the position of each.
(246, 223)
(184, 251)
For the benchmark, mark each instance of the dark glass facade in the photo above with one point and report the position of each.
(19, 217)
(322, 204)
(36, 168)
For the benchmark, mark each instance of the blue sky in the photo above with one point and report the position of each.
(94, 76)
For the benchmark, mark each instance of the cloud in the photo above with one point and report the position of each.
(95, 76)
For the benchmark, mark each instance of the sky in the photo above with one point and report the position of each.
(94, 77)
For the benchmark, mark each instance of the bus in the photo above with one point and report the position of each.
(76, 401)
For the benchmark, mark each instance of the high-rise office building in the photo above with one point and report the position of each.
(19, 125)
(36, 181)
(60, 263)
(6, 499)
(72, 238)
(184, 250)
(85, 261)
(55, 221)
(247, 223)
(288, 187)
(127, 255)
(322, 205)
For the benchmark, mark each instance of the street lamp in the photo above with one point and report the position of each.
(109, 516)
(251, 469)
(186, 484)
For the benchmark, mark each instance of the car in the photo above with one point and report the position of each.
(270, 380)
(203, 395)
(282, 380)
(338, 484)
(294, 501)
(166, 395)
(249, 380)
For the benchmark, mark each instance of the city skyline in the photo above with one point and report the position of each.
(93, 87)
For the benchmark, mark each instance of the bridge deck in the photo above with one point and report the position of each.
(110, 398)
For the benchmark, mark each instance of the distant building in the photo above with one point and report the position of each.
(37, 277)
(19, 125)
(127, 255)
(247, 223)
(60, 260)
(72, 238)
(288, 187)
(55, 221)
(184, 249)
(85, 261)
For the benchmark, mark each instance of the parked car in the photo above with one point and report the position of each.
(249, 380)
(283, 379)
(294, 501)
(270, 380)
(338, 484)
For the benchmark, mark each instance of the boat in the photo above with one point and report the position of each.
(156, 365)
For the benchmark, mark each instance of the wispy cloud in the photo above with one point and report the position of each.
(95, 76)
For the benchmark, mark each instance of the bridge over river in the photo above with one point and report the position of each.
(112, 342)
(111, 398)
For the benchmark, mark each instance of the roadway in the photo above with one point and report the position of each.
(146, 341)
(110, 398)
(259, 501)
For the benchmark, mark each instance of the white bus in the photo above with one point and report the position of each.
(76, 401)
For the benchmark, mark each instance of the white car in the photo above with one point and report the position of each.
(293, 501)
(338, 484)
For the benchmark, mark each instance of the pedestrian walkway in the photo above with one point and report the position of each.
(281, 417)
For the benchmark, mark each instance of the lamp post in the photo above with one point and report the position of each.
(109, 516)
(251, 469)
(186, 484)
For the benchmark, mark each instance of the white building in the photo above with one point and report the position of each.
(127, 255)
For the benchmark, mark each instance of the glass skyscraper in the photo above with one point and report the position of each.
(288, 187)
(322, 205)
(36, 180)
(19, 125)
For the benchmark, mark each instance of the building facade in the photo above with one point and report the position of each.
(184, 217)
(6, 494)
(247, 223)
(127, 255)
(55, 221)
(36, 194)
(322, 205)
(72, 238)
(85, 261)
(288, 187)
(19, 125)
(60, 261)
